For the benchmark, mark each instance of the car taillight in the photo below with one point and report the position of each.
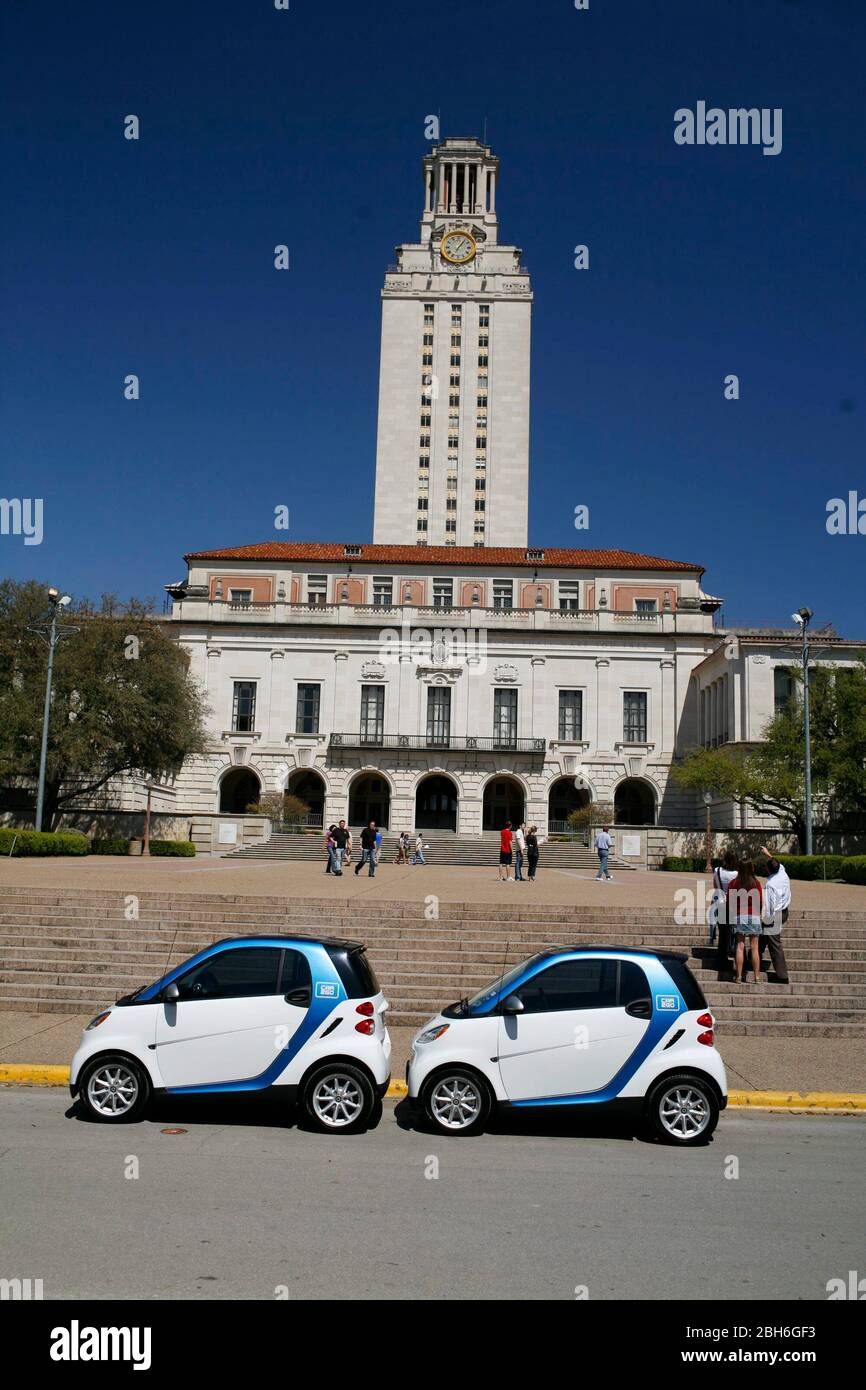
(705, 1020)
(706, 1038)
(368, 1026)
(367, 1009)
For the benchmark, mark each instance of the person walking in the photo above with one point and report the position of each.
(745, 902)
(777, 900)
(340, 836)
(418, 856)
(519, 851)
(402, 855)
(603, 844)
(723, 877)
(368, 850)
(532, 851)
(330, 846)
(378, 846)
(505, 838)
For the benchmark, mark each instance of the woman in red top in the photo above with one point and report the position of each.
(745, 905)
(505, 852)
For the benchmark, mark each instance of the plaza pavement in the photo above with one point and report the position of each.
(799, 1064)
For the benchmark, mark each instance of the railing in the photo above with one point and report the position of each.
(461, 743)
(313, 820)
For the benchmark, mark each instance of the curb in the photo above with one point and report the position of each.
(42, 1074)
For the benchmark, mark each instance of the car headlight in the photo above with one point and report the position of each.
(431, 1034)
(100, 1018)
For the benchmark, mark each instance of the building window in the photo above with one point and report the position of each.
(634, 706)
(317, 589)
(426, 358)
(454, 399)
(383, 593)
(453, 441)
(244, 707)
(426, 420)
(480, 506)
(372, 713)
(439, 715)
(450, 524)
(480, 484)
(505, 718)
(569, 594)
(240, 598)
(570, 716)
(503, 593)
(479, 527)
(483, 340)
(424, 441)
(646, 605)
(423, 460)
(422, 524)
(443, 593)
(455, 359)
(423, 503)
(783, 689)
(307, 717)
(483, 315)
(450, 504)
(454, 379)
(482, 359)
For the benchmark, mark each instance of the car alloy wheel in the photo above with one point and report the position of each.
(337, 1100)
(112, 1090)
(455, 1102)
(683, 1111)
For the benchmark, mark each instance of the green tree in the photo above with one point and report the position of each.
(770, 776)
(123, 702)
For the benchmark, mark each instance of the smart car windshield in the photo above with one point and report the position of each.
(484, 997)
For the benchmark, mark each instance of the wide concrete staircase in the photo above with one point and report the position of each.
(445, 848)
(71, 951)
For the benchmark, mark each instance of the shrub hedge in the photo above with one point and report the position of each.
(181, 848)
(37, 842)
(799, 866)
(854, 869)
(109, 846)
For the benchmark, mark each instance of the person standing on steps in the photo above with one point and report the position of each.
(330, 846)
(505, 838)
(368, 850)
(532, 851)
(519, 852)
(418, 856)
(723, 877)
(777, 900)
(745, 905)
(340, 836)
(603, 844)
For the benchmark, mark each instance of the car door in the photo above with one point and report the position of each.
(583, 1018)
(236, 1013)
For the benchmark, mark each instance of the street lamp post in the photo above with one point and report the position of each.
(56, 603)
(802, 618)
(708, 838)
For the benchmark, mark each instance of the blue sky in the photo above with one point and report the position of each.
(306, 127)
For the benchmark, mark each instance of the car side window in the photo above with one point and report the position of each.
(296, 973)
(242, 973)
(571, 984)
(633, 984)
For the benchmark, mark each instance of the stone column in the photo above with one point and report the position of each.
(668, 711)
(603, 713)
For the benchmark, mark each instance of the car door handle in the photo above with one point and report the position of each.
(299, 997)
(641, 1008)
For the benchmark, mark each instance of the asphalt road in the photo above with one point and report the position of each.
(242, 1205)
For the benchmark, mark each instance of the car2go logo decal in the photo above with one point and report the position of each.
(668, 1002)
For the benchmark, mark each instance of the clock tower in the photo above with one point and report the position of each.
(452, 449)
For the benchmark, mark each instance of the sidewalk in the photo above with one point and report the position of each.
(754, 1064)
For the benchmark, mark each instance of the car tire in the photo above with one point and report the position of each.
(339, 1098)
(114, 1089)
(457, 1101)
(683, 1110)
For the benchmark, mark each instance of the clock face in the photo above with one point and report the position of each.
(458, 247)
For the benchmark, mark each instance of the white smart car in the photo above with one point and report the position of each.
(577, 1026)
(302, 1015)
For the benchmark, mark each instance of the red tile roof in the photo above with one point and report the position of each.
(450, 556)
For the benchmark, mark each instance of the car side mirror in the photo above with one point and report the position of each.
(640, 1008)
(512, 1005)
(171, 993)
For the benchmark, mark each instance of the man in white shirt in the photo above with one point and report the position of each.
(777, 900)
(519, 852)
(603, 844)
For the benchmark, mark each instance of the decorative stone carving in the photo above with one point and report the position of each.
(505, 672)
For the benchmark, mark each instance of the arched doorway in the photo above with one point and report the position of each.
(239, 789)
(503, 801)
(309, 787)
(563, 798)
(634, 803)
(436, 804)
(369, 799)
